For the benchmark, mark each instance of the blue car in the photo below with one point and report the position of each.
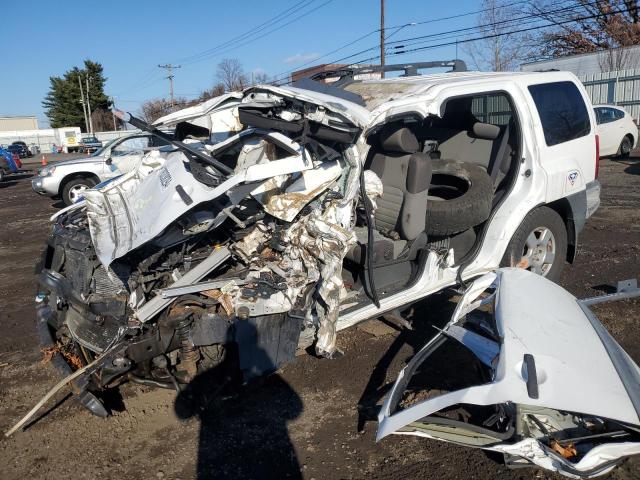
(7, 163)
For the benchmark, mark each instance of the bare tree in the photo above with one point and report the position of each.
(603, 25)
(260, 77)
(215, 91)
(231, 74)
(153, 109)
(103, 120)
(501, 51)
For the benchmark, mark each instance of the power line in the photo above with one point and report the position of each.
(258, 28)
(485, 37)
(396, 29)
(456, 33)
(151, 77)
(251, 40)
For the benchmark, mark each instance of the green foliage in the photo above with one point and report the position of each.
(62, 103)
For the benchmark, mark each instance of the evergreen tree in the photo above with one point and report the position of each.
(62, 103)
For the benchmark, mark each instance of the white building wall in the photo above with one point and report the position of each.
(18, 123)
(586, 64)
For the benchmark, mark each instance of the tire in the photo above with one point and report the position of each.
(539, 244)
(625, 147)
(1, 175)
(460, 197)
(73, 187)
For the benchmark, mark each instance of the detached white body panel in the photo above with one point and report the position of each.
(552, 354)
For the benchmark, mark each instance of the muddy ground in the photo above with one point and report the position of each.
(302, 422)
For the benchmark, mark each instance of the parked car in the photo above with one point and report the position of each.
(89, 144)
(9, 163)
(24, 147)
(69, 179)
(616, 129)
(325, 205)
(20, 149)
(541, 382)
(34, 149)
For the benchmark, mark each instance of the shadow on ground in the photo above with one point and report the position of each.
(243, 431)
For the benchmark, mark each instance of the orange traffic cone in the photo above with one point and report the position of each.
(44, 161)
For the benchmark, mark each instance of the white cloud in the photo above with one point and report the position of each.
(301, 57)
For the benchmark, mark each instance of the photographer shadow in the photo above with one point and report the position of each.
(243, 427)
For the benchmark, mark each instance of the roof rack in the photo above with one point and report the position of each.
(410, 69)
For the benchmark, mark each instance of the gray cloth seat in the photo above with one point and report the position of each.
(401, 210)
(461, 137)
(406, 175)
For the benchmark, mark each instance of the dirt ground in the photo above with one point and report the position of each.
(304, 421)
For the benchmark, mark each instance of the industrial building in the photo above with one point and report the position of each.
(8, 124)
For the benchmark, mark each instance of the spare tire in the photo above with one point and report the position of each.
(460, 197)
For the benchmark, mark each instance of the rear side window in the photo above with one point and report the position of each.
(494, 108)
(562, 111)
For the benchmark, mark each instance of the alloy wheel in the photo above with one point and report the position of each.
(539, 251)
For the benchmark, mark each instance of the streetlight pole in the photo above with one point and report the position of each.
(382, 38)
(89, 105)
(84, 107)
(113, 115)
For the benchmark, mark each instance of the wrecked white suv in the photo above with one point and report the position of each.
(286, 214)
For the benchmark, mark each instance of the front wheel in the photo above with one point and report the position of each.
(539, 244)
(74, 189)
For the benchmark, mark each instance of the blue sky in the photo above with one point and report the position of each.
(130, 38)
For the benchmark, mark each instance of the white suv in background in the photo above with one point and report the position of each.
(69, 179)
(617, 131)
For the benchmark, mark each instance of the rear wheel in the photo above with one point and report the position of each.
(75, 188)
(625, 147)
(539, 244)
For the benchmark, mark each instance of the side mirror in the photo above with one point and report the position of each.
(109, 160)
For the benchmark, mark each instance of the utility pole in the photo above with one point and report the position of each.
(89, 105)
(113, 115)
(170, 75)
(382, 38)
(84, 107)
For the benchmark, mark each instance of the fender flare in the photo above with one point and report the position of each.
(573, 210)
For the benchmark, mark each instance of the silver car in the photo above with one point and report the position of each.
(69, 179)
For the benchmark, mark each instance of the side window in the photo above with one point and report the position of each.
(618, 114)
(607, 115)
(598, 115)
(131, 146)
(562, 111)
(493, 108)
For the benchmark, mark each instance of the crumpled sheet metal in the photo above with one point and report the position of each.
(315, 247)
(304, 187)
(124, 214)
(372, 187)
(319, 244)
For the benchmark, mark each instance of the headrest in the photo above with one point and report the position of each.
(486, 131)
(399, 140)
